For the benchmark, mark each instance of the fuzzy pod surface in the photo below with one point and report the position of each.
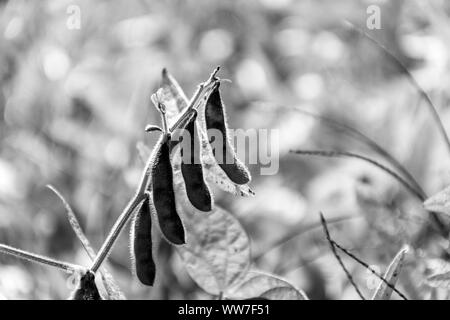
(215, 119)
(192, 170)
(141, 241)
(163, 196)
(87, 289)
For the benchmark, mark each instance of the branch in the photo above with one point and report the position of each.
(326, 153)
(331, 154)
(358, 135)
(36, 258)
(295, 232)
(411, 79)
(348, 253)
(338, 258)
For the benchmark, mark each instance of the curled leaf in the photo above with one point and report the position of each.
(112, 289)
(267, 286)
(172, 96)
(383, 291)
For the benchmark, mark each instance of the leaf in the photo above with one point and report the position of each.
(384, 292)
(441, 280)
(172, 96)
(217, 250)
(440, 273)
(440, 202)
(112, 289)
(258, 284)
(175, 100)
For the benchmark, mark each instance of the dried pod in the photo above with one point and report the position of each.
(215, 119)
(163, 195)
(87, 289)
(196, 188)
(141, 245)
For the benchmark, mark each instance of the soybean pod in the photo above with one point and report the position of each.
(87, 289)
(192, 170)
(224, 153)
(163, 195)
(141, 244)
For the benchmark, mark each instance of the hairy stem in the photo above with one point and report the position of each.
(32, 257)
(338, 258)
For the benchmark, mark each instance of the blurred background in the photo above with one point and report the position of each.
(74, 99)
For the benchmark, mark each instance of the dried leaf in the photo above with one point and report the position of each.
(440, 202)
(217, 250)
(172, 96)
(383, 291)
(112, 289)
(267, 286)
(441, 280)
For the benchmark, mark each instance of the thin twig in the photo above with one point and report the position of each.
(295, 232)
(351, 255)
(443, 230)
(110, 284)
(338, 258)
(33, 257)
(412, 80)
(333, 153)
(358, 135)
(74, 223)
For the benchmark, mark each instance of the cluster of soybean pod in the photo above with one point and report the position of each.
(160, 196)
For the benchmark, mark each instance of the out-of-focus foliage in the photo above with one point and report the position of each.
(74, 104)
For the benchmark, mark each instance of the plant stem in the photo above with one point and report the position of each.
(333, 153)
(139, 196)
(358, 135)
(25, 255)
(338, 258)
(434, 216)
(411, 79)
(295, 232)
(379, 276)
